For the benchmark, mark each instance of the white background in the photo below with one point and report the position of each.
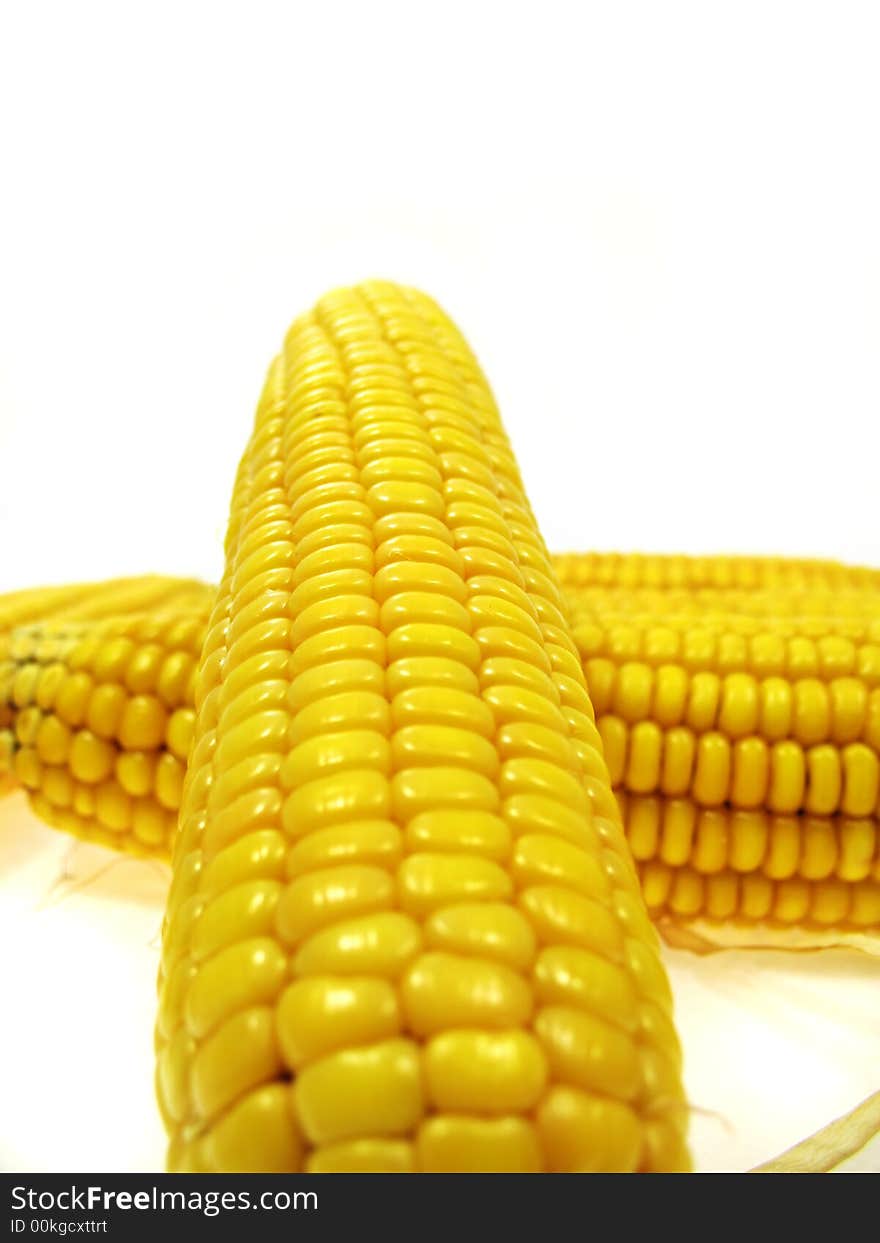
(658, 226)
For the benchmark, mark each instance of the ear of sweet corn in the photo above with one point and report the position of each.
(96, 717)
(404, 931)
(741, 728)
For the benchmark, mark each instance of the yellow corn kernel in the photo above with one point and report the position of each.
(824, 781)
(333, 753)
(91, 759)
(812, 712)
(582, 1133)
(757, 896)
(381, 944)
(244, 974)
(313, 901)
(830, 904)
(670, 695)
(861, 781)
(569, 976)
(712, 774)
(428, 881)
(438, 704)
(560, 916)
(152, 825)
(483, 930)
(371, 842)
(360, 795)
(143, 723)
(135, 772)
(24, 685)
(53, 741)
(484, 1072)
(322, 1014)
(372, 1090)
(442, 990)
(818, 848)
(679, 756)
(72, 699)
(792, 901)
(751, 773)
(257, 855)
(849, 707)
(451, 1143)
(27, 725)
(687, 894)
(259, 1134)
(857, 840)
(703, 702)
(239, 1056)
(748, 841)
(476, 833)
(710, 843)
(113, 807)
(418, 790)
(244, 911)
(776, 709)
(105, 710)
(722, 896)
(679, 825)
(633, 692)
(112, 659)
(179, 732)
(788, 777)
(587, 1052)
(340, 677)
(865, 908)
(58, 787)
(642, 819)
(738, 714)
(645, 758)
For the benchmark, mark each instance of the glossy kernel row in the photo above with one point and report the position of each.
(730, 897)
(808, 710)
(679, 832)
(720, 649)
(781, 777)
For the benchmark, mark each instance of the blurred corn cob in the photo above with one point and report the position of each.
(96, 705)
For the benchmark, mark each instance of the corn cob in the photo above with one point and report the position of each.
(404, 932)
(741, 728)
(96, 718)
